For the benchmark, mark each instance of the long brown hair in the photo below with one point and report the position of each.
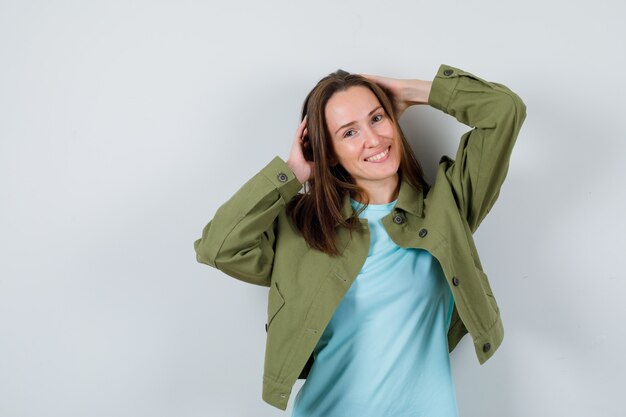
(317, 211)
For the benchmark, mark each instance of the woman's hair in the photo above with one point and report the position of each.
(317, 211)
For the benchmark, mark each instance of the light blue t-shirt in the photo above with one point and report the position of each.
(385, 350)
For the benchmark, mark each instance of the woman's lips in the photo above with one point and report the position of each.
(384, 158)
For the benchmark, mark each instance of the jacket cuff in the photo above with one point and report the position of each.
(282, 177)
(443, 87)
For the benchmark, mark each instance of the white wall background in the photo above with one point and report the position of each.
(125, 124)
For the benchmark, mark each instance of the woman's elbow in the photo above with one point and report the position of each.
(250, 265)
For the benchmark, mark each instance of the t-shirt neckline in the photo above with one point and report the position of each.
(381, 207)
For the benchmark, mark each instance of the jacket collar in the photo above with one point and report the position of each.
(409, 200)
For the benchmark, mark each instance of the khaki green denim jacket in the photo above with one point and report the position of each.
(250, 237)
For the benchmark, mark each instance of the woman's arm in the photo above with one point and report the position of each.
(240, 239)
(496, 114)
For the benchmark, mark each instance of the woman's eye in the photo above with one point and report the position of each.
(378, 118)
(347, 135)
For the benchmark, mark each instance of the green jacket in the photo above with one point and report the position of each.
(250, 237)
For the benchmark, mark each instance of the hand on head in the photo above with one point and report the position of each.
(302, 168)
(395, 89)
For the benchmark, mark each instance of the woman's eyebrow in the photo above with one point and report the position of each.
(351, 123)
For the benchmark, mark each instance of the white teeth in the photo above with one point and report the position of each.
(378, 156)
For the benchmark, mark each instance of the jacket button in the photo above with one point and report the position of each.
(423, 232)
(486, 347)
(455, 281)
(397, 219)
(282, 177)
(448, 72)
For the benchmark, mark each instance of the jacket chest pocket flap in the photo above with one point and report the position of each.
(275, 302)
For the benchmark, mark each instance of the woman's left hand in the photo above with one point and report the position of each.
(403, 93)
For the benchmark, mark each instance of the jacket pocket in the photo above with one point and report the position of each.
(275, 302)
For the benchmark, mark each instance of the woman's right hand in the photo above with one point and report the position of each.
(296, 161)
(403, 93)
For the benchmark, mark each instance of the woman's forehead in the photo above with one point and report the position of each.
(351, 105)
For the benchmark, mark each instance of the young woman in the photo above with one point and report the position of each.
(373, 274)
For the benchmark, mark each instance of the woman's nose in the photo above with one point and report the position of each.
(371, 137)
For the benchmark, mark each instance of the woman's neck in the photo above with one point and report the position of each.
(382, 191)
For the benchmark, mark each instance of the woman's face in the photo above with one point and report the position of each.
(364, 137)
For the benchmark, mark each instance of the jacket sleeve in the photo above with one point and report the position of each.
(240, 239)
(496, 115)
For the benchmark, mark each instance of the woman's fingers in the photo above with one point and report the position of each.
(302, 130)
(297, 160)
(394, 87)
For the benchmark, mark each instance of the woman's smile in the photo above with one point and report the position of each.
(379, 157)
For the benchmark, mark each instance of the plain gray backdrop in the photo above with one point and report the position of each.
(124, 125)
